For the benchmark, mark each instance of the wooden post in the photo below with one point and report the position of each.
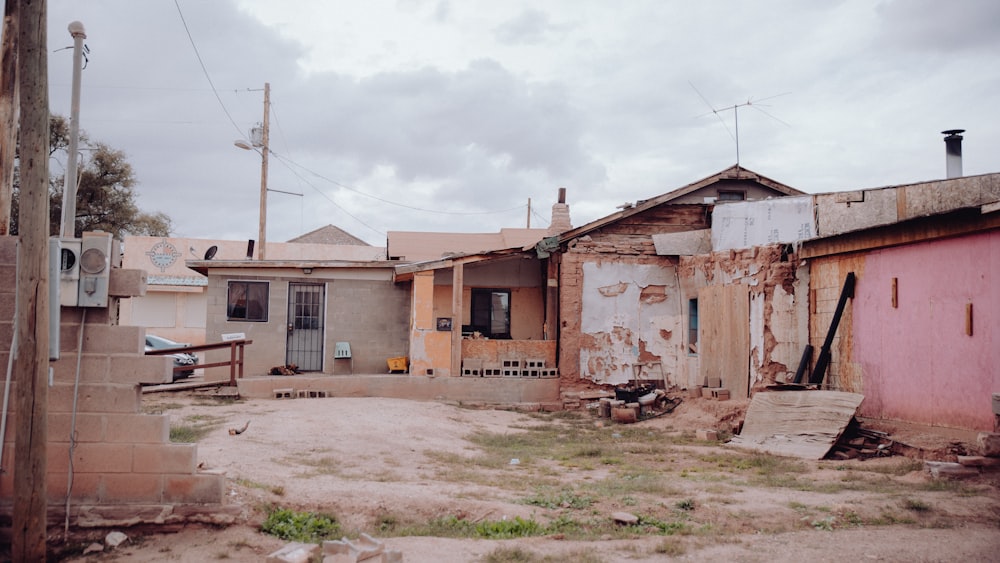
(8, 112)
(31, 365)
(457, 314)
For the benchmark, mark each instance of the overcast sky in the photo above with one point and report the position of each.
(445, 115)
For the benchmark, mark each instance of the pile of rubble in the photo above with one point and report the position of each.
(365, 548)
(988, 444)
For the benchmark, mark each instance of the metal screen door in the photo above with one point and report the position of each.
(304, 346)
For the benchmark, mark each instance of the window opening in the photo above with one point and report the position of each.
(247, 301)
(693, 326)
(490, 313)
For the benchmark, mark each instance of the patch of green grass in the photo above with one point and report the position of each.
(824, 524)
(194, 428)
(507, 529)
(307, 527)
(560, 499)
(668, 528)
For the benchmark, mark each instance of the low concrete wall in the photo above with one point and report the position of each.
(491, 390)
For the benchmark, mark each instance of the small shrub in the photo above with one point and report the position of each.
(686, 504)
(916, 505)
(305, 527)
(507, 529)
(562, 499)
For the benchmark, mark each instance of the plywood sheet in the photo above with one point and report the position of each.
(803, 424)
(724, 336)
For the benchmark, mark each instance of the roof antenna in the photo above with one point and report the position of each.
(736, 116)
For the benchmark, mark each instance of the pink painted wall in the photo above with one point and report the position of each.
(917, 361)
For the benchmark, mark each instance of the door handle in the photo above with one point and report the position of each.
(290, 327)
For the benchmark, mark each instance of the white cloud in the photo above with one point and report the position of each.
(472, 106)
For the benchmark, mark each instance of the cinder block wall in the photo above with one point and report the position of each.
(124, 465)
(373, 317)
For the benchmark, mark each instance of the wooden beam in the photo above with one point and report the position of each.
(8, 112)
(962, 222)
(32, 319)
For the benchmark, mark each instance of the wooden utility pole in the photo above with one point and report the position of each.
(8, 112)
(265, 148)
(31, 366)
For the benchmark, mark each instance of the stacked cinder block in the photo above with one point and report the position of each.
(510, 367)
(713, 389)
(472, 368)
(124, 467)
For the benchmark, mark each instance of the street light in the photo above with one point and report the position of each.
(262, 232)
(68, 227)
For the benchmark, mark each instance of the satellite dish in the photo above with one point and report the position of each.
(210, 253)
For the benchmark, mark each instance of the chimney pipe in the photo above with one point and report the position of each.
(953, 152)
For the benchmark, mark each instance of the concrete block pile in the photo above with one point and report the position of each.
(365, 548)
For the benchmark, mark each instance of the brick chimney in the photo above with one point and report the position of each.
(560, 215)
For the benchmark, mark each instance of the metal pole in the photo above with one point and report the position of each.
(69, 182)
(263, 172)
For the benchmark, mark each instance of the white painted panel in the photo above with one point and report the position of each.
(753, 223)
(616, 316)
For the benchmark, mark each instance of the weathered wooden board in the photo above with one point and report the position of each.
(724, 336)
(803, 424)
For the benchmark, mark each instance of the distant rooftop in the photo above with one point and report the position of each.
(329, 235)
(412, 246)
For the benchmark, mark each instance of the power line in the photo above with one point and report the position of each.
(204, 69)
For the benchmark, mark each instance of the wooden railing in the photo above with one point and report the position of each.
(235, 362)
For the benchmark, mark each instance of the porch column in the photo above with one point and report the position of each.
(457, 284)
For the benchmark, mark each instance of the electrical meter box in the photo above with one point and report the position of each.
(69, 271)
(95, 269)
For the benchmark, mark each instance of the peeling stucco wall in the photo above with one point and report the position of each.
(630, 316)
(779, 313)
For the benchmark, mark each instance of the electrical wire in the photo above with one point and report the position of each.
(205, 70)
(288, 163)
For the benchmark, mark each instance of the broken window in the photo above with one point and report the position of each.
(247, 301)
(490, 313)
(693, 326)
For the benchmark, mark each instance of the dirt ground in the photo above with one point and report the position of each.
(364, 458)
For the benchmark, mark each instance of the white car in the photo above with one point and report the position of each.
(181, 359)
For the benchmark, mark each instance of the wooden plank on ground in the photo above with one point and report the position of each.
(803, 424)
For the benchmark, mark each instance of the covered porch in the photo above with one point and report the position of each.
(489, 315)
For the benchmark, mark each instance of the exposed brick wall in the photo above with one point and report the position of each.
(122, 458)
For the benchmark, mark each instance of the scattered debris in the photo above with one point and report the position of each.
(295, 552)
(114, 539)
(803, 424)
(950, 470)
(625, 518)
(235, 431)
(227, 393)
(365, 548)
(287, 369)
(706, 435)
(93, 548)
(988, 444)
